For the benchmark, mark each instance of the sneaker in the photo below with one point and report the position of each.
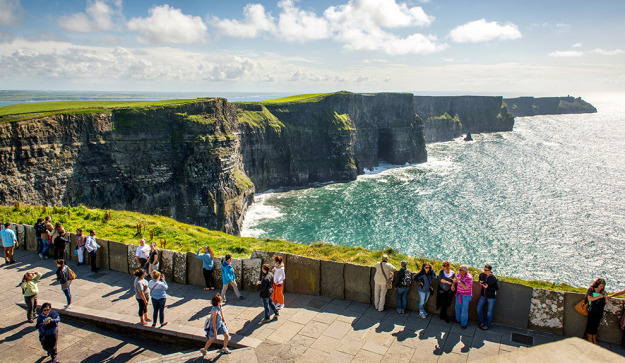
(264, 320)
(31, 321)
(225, 350)
(153, 325)
(68, 306)
(203, 351)
(279, 306)
(41, 256)
(422, 315)
(55, 360)
(162, 325)
(276, 315)
(463, 327)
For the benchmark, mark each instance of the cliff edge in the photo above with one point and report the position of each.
(532, 106)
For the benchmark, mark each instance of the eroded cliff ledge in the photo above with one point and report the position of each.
(532, 106)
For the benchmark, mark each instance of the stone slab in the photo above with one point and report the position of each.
(547, 312)
(513, 304)
(251, 273)
(357, 283)
(118, 257)
(574, 322)
(180, 267)
(30, 239)
(302, 275)
(19, 234)
(237, 266)
(265, 256)
(194, 270)
(73, 243)
(132, 261)
(609, 330)
(332, 283)
(102, 255)
(167, 264)
(217, 272)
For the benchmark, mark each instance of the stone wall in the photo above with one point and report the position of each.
(517, 305)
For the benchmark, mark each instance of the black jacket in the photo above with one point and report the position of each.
(266, 285)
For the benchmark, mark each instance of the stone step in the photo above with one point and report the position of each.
(247, 355)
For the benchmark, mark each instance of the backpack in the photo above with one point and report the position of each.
(406, 280)
(40, 228)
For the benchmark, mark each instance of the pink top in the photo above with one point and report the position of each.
(467, 280)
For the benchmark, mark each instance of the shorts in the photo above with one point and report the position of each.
(222, 329)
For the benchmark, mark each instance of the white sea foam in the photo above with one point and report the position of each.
(258, 212)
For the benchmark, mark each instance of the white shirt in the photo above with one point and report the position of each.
(91, 245)
(278, 275)
(143, 251)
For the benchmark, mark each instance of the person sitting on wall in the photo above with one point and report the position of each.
(490, 285)
(143, 252)
(208, 264)
(383, 281)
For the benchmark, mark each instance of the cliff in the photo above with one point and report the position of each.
(532, 106)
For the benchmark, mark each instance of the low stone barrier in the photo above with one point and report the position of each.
(194, 270)
(332, 283)
(302, 275)
(180, 267)
(513, 304)
(118, 256)
(357, 283)
(30, 240)
(547, 311)
(251, 268)
(167, 264)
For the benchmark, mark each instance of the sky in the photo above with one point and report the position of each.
(491, 47)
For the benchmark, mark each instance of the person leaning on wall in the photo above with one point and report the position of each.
(383, 281)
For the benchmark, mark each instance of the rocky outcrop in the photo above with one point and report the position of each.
(532, 106)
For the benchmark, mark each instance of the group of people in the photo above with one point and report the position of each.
(450, 286)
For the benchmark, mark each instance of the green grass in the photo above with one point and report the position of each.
(261, 119)
(310, 97)
(43, 109)
(121, 226)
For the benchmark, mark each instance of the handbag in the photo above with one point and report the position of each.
(72, 275)
(582, 307)
(389, 282)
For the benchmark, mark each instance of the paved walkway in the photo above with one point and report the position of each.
(310, 328)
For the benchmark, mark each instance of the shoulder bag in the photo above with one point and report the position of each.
(389, 282)
(582, 307)
(72, 275)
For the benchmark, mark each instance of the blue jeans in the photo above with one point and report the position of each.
(39, 245)
(68, 296)
(46, 247)
(402, 297)
(159, 310)
(489, 312)
(462, 309)
(267, 303)
(423, 298)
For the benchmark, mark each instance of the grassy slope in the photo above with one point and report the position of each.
(122, 227)
(310, 97)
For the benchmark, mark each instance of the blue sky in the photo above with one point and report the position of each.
(548, 47)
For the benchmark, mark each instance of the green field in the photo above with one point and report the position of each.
(310, 97)
(130, 227)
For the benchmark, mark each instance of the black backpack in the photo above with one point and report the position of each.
(406, 280)
(40, 228)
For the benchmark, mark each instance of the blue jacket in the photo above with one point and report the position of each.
(50, 328)
(207, 260)
(158, 289)
(8, 237)
(227, 273)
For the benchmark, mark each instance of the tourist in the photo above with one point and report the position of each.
(61, 238)
(597, 299)
(65, 276)
(265, 286)
(40, 228)
(228, 278)
(142, 294)
(9, 242)
(48, 326)
(30, 290)
(463, 285)
(208, 264)
(424, 279)
(158, 292)
(279, 276)
(153, 263)
(445, 294)
(92, 247)
(45, 237)
(383, 281)
(216, 324)
(402, 281)
(80, 246)
(490, 285)
(143, 252)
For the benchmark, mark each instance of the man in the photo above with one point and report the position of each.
(9, 242)
(490, 285)
(143, 252)
(383, 275)
(92, 247)
(48, 326)
(39, 229)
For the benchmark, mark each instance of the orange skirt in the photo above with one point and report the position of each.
(278, 297)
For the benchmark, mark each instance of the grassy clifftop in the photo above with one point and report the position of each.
(130, 227)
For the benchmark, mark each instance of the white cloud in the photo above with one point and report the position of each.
(577, 45)
(380, 13)
(609, 52)
(299, 25)
(482, 31)
(10, 12)
(167, 25)
(567, 53)
(256, 21)
(99, 15)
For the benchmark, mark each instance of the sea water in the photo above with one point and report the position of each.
(543, 202)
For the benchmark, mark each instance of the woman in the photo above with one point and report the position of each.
(228, 278)
(207, 266)
(597, 299)
(48, 326)
(59, 238)
(216, 324)
(142, 294)
(463, 285)
(445, 294)
(30, 290)
(153, 259)
(64, 277)
(265, 287)
(424, 279)
(80, 246)
(279, 276)
(158, 288)
(92, 247)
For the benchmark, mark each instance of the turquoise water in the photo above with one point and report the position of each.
(546, 201)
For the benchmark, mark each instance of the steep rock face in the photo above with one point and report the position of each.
(447, 117)
(331, 139)
(532, 106)
(178, 161)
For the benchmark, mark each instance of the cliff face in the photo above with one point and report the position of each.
(181, 161)
(532, 106)
(447, 117)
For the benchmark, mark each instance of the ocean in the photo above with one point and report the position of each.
(543, 202)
